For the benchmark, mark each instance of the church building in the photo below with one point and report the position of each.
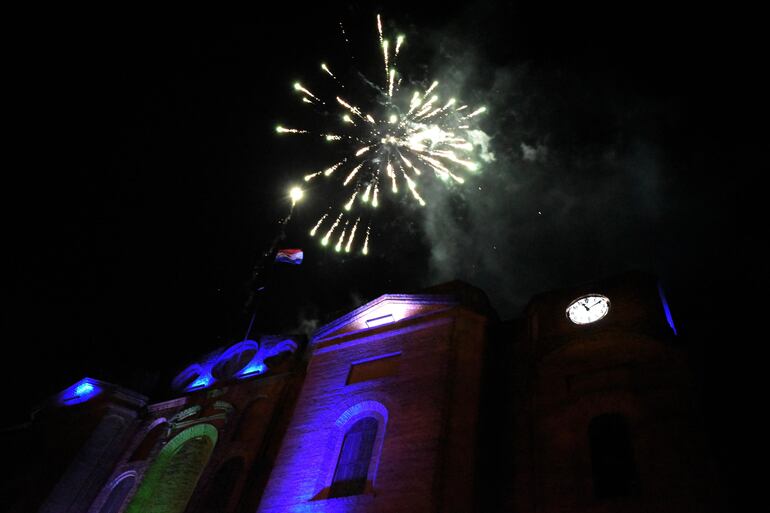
(410, 403)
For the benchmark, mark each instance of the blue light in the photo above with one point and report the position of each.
(80, 392)
(201, 382)
(253, 368)
(666, 309)
(84, 389)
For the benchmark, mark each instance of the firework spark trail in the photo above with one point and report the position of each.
(352, 236)
(349, 204)
(404, 135)
(385, 45)
(338, 247)
(325, 240)
(282, 130)
(399, 41)
(352, 174)
(298, 87)
(315, 228)
(366, 241)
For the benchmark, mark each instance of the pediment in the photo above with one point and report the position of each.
(386, 309)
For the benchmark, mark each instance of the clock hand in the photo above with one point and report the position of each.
(593, 305)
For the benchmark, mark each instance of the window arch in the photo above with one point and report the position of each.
(172, 478)
(612, 460)
(118, 494)
(353, 451)
(352, 470)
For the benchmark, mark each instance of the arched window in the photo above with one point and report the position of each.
(172, 478)
(612, 458)
(118, 494)
(352, 469)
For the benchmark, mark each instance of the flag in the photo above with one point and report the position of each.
(289, 256)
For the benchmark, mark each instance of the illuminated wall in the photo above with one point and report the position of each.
(424, 401)
(171, 480)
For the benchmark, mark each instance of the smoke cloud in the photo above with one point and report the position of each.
(573, 185)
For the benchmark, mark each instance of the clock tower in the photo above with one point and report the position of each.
(605, 417)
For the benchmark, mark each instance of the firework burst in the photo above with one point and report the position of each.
(408, 138)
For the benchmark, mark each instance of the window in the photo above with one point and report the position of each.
(612, 459)
(350, 476)
(380, 367)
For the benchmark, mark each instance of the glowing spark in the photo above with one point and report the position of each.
(338, 247)
(327, 70)
(331, 170)
(296, 194)
(426, 107)
(370, 119)
(431, 88)
(385, 53)
(349, 204)
(374, 196)
(348, 119)
(414, 102)
(392, 176)
(390, 86)
(413, 188)
(399, 40)
(306, 100)
(325, 240)
(352, 236)
(332, 137)
(366, 241)
(352, 109)
(352, 173)
(379, 27)
(298, 87)
(365, 197)
(282, 130)
(476, 112)
(362, 151)
(315, 228)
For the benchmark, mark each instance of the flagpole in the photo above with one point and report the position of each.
(252, 303)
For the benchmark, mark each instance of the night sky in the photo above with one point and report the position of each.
(145, 177)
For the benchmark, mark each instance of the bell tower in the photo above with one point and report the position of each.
(606, 421)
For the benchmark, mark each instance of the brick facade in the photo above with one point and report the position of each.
(472, 414)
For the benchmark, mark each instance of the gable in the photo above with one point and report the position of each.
(386, 309)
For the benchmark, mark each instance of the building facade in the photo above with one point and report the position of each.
(410, 403)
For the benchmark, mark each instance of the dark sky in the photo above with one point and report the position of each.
(144, 176)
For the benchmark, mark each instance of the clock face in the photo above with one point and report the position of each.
(588, 309)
